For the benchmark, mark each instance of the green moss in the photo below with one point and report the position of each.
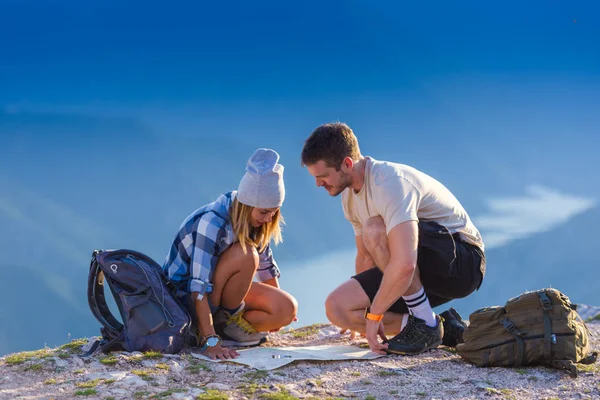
(521, 371)
(250, 388)
(306, 331)
(108, 360)
(422, 394)
(88, 384)
(34, 367)
(256, 375)
(86, 392)
(370, 398)
(152, 355)
(51, 381)
(167, 393)
(354, 373)
(213, 395)
(367, 382)
(24, 356)
(141, 395)
(197, 366)
(386, 372)
(283, 395)
(162, 366)
(74, 346)
(393, 392)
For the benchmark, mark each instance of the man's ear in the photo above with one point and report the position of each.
(348, 163)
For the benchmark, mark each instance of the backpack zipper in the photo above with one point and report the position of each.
(524, 338)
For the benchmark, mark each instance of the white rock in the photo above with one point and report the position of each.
(175, 367)
(218, 386)
(60, 362)
(148, 363)
(182, 396)
(119, 391)
(133, 380)
(78, 362)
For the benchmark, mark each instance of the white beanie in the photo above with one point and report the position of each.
(262, 184)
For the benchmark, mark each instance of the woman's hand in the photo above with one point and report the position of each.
(220, 352)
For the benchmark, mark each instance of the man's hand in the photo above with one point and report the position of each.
(222, 353)
(375, 328)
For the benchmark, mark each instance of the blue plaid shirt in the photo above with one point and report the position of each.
(202, 238)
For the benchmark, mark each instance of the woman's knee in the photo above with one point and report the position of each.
(287, 308)
(236, 256)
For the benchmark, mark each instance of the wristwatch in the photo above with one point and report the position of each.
(372, 317)
(209, 341)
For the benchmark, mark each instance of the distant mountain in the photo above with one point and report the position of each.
(565, 258)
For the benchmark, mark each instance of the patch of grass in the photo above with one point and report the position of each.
(393, 392)
(109, 381)
(108, 360)
(86, 392)
(363, 345)
(280, 373)
(51, 381)
(319, 382)
(532, 378)
(446, 380)
(78, 371)
(141, 372)
(387, 372)
(354, 373)
(367, 382)
(88, 384)
(162, 366)
(212, 395)
(20, 358)
(140, 395)
(167, 393)
(63, 355)
(370, 398)
(306, 331)
(488, 382)
(421, 394)
(256, 375)
(283, 395)
(74, 346)
(250, 388)
(152, 355)
(492, 390)
(588, 367)
(505, 391)
(109, 398)
(521, 371)
(197, 366)
(34, 367)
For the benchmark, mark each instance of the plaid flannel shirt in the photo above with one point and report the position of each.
(203, 236)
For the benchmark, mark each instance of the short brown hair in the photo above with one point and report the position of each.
(331, 143)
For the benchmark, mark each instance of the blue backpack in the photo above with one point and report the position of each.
(153, 319)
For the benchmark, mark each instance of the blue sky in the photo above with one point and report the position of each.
(101, 102)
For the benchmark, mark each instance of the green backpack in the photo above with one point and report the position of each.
(534, 328)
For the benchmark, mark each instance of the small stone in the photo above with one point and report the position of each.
(218, 386)
(60, 363)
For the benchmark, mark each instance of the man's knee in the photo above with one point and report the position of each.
(374, 232)
(333, 307)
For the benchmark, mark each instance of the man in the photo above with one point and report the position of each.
(416, 246)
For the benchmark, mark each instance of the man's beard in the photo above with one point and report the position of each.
(345, 182)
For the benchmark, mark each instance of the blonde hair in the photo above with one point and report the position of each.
(249, 235)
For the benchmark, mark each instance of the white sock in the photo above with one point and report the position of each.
(418, 305)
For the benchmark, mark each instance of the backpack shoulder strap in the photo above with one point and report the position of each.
(97, 301)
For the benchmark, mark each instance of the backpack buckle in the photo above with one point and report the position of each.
(546, 302)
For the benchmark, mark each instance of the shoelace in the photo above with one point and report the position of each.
(242, 323)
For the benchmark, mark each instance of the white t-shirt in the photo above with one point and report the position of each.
(399, 193)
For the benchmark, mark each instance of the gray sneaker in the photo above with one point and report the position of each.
(416, 337)
(235, 330)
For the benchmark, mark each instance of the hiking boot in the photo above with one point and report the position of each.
(416, 337)
(453, 328)
(235, 330)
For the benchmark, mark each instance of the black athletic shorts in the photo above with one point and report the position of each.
(449, 268)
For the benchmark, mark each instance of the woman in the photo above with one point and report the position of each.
(218, 251)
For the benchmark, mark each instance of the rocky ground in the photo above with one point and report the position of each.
(439, 374)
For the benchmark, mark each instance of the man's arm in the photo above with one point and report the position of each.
(364, 261)
(398, 274)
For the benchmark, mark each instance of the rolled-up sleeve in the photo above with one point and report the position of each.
(267, 267)
(204, 243)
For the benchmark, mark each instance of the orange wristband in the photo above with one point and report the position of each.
(372, 317)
